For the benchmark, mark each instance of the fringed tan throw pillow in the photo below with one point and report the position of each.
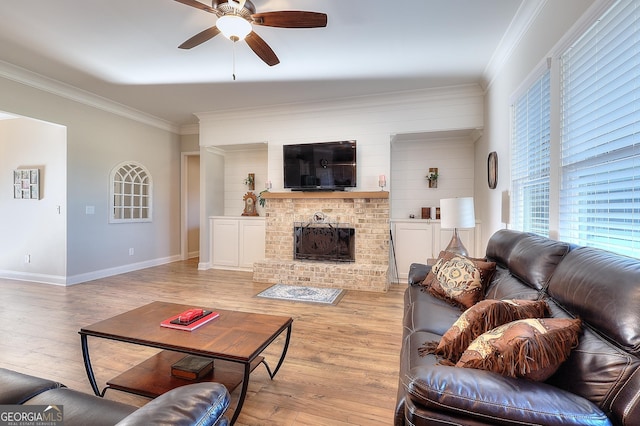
(529, 348)
(460, 280)
(478, 319)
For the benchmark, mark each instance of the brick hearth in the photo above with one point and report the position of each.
(367, 212)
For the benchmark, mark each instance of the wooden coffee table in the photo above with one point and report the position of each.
(234, 341)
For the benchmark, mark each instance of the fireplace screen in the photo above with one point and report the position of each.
(327, 242)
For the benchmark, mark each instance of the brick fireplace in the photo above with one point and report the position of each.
(366, 212)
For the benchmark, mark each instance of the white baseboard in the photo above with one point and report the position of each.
(203, 266)
(37, 278)
(89, 276)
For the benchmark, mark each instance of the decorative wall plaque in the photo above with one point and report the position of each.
(26, 184)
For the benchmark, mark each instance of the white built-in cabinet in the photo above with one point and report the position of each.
(236, 242)
(417, 241)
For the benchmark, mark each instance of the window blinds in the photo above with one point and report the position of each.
(600, 146)
(530, 159)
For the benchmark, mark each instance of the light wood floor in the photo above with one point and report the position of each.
(341, 367)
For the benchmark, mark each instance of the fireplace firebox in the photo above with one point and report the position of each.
(324, 242)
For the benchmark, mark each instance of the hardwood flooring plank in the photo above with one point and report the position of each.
(341, 366)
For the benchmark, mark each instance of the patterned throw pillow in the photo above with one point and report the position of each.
(460, 280)
(478, 319)
(443, 257)
(528, 348)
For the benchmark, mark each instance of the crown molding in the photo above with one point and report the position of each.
(58, 88)
(389, 99)
(522, 21)
(190, 129)
(215, 150)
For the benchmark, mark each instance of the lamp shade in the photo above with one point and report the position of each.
(233, 27)
(457, 213)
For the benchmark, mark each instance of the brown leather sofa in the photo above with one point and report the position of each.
(198, 404)
(599, 384)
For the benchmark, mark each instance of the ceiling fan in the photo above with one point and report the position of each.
(235, 19)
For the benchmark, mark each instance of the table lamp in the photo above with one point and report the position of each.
(457, 213)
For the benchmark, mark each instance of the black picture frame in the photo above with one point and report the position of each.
(492, 170)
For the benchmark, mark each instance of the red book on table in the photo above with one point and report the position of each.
(174, 321)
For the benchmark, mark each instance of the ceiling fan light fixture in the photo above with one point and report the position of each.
(234, 27)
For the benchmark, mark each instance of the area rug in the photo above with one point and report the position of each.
(327, 296)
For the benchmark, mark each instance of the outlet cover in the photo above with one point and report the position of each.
(131, 251)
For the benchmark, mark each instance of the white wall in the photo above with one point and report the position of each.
(97, 140)
(371, 121)
(555, 20)
(36, 228)
(94, 243)
(193, 209)
(237, 165)
(211, 197)
(410, 163)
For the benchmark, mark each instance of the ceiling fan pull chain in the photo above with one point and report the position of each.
(234, 62)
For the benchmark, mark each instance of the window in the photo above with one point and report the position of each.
(130, 193)
(600, 134)
(530, 158)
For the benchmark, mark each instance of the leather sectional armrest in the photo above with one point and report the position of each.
(493, 398)
(197, 404)
(417, 273)
(17, 388)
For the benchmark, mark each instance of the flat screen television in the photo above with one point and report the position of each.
(324, 166)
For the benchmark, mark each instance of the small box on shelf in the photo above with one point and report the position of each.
(192, 367)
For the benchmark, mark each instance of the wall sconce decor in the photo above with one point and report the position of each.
(432, 177)
(26, 184)
(250, 181)
(492, 170)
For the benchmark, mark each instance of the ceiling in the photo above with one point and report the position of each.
(126, 51)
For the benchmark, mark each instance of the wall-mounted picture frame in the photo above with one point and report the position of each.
(492, 170)
(26, 184)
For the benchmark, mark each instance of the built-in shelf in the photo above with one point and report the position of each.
(325, 194)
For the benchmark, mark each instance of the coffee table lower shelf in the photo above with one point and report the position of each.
(152, 377)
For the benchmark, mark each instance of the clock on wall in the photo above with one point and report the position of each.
(492, 170)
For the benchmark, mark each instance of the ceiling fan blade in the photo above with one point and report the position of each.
(262, 49)
(200, 38)
(198, 5)
(291, 19)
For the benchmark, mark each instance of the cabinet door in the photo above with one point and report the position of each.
(252, 234)
(225, 242)
(413, 243)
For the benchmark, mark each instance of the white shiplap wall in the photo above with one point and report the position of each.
(410, 163)
(372, 121)
(237, 165)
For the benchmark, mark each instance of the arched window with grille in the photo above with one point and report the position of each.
(131, 193)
